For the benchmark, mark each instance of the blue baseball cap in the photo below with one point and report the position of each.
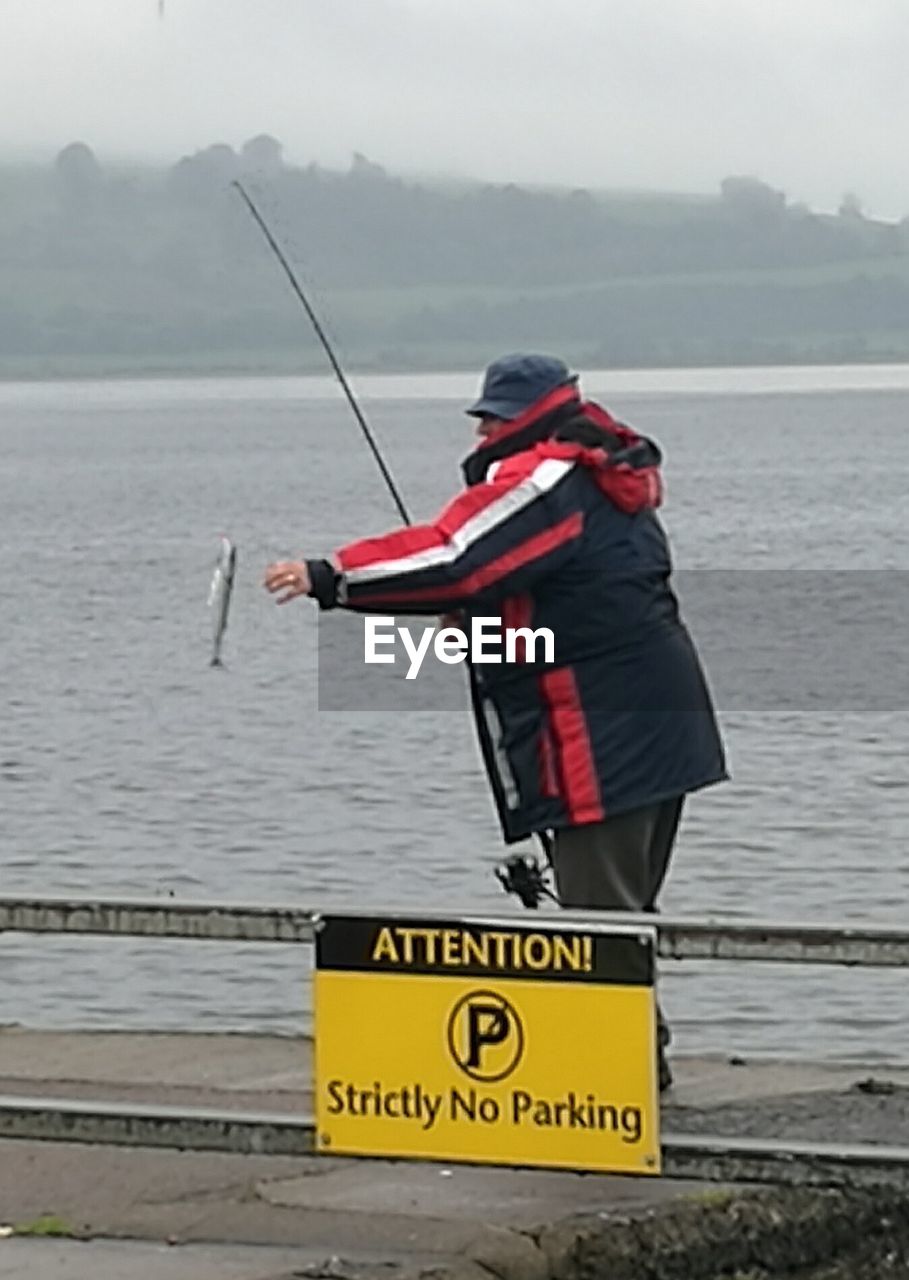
(513, 383)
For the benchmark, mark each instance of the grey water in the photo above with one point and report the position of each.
(129, 767)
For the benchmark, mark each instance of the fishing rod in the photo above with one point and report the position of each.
(520, 875)
(320, 333)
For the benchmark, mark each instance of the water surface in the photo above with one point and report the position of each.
(129, 768)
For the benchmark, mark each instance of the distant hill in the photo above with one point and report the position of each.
(107, 270)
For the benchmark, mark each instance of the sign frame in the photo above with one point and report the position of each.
(468, 1039)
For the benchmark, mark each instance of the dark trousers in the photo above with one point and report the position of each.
(618, 864)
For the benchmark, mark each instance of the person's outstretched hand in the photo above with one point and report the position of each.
(287, 579)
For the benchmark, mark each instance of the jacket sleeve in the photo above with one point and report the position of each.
(494, 540)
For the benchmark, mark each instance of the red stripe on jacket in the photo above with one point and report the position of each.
(402, 543)
(549, 778)
(535, 548)
(580, 786)
(517, 613)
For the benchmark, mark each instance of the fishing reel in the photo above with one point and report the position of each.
(524, 875)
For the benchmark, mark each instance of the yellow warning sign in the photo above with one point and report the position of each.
(487, 1042)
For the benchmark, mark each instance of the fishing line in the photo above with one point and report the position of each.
(320, 333)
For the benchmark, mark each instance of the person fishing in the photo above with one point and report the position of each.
(556, 527)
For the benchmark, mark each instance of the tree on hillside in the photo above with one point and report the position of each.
(78, 174)
(205, 171)
(361, 167)
(263, 156)
(751, 197)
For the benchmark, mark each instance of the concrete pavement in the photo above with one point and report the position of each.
(326, 1217)
(112, 1260)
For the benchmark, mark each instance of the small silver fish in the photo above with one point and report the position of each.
(222, 585)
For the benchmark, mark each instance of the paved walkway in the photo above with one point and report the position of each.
(112, 1260)
(325, 1217)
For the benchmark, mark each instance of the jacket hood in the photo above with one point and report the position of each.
(625, 465)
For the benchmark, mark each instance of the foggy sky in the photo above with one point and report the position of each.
(812, 96)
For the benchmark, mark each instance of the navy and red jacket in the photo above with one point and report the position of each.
(557, 528)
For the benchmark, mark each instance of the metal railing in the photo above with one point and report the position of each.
(849, 944)
(712, 1158)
